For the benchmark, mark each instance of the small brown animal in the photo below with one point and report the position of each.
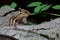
(17, 19)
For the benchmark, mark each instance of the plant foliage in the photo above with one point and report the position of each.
(46, 7)
(13, 5)
(33, 4)
(40, 7)
(56, 7)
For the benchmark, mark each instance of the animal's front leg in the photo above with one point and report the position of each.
(14, 21)
(11, 20)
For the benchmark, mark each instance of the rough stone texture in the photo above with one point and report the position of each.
(44, 31)
(3, 10)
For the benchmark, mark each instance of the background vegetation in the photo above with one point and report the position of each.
(41, 10)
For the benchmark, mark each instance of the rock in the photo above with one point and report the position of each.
(4, 20)
(45, 31)
(5, 9)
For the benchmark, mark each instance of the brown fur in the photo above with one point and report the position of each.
(18, 18)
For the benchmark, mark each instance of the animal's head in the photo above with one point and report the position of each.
(24, 12)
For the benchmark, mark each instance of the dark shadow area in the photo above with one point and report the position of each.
(6, 37)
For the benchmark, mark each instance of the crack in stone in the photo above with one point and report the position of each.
(5, 14)
(42, 29)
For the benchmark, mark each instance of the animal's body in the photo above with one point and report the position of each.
(17, 19)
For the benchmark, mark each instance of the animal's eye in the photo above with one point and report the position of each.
(20, 10)
(25, 12)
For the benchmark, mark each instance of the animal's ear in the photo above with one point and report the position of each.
(19, 9)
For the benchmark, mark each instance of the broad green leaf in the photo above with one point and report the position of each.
(38, 8)
(46, 7)
(34, 4)
(56, 7)
(13, 5)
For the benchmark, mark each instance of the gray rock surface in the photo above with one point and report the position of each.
(5, 9)
(4, 20)
(44, 31)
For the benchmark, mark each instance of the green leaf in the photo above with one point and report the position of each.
(56, 7)
(34, 4)
(46, 7)
(38, 8)
(13, 5)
